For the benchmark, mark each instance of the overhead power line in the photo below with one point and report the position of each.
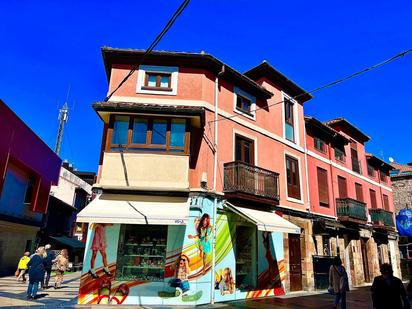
(401, 54)
(156, 41)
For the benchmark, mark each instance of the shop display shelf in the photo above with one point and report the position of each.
(145, 255)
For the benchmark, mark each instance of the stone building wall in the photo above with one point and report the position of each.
(402, 192)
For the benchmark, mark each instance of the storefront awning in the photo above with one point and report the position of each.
(136, 209)
(69, 241)
(265, 220)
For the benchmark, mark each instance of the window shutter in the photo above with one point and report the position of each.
(373, 198)
(343, 192)
(359, 192)
(292, 173)
(323, 187)
(386, 202)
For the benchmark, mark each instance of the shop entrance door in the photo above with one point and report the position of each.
(295, 263)
(365, 261)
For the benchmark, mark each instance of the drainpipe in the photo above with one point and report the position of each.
(215, 166)
(333, 192)
(306, 168)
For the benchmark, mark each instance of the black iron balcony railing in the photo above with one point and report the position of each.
(381, 217)
(356, 166)
(245, 178)
(351, 209)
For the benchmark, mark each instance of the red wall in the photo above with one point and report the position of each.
(20, 145)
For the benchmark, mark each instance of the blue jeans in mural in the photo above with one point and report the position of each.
(182, 284)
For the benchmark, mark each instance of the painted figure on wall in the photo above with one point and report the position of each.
(182, 272)
(272, 277)
(99, 245)
(204, 236)
(226, 283)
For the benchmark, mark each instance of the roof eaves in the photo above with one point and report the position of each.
(344, 120)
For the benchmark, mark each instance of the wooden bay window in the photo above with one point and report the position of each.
(148, 134)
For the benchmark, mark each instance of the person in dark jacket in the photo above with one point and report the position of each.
(388, 291)
(36, 272)
(49, 263)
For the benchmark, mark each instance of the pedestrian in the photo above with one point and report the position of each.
(62, 262)
(22, 267)
(36, 272)
(49, 263)
(338, 282)
(388, 291)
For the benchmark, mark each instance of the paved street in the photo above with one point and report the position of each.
(13, 295)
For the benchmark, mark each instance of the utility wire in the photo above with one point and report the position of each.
(156, 41)
(401, 54)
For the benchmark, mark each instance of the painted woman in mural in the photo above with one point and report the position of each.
(272, 280)
(204, 234)
(182, 272)
(227, 283)
(99, 245)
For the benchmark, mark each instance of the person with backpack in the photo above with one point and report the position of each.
(388, 291)
(338, 282)
(48, 268)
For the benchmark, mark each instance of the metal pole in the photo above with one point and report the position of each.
(63, 117)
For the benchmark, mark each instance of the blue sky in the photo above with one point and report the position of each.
(47, 45)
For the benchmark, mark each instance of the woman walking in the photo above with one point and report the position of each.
(22, 267)
(62, 262)
(338, 282)
(36, 272)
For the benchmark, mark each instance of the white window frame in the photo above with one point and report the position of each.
(252, 99)
(292, 199)
(157, 69)
(295, 119)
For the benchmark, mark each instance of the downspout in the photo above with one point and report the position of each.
(306, 168)
(333, 194)
(215, 163)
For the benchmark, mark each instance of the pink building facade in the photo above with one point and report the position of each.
(25, 182)
(352, 186)
(213, 166)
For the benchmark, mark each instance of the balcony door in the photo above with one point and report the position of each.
(244, 150)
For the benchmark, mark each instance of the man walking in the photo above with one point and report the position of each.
(388, 291)
(48, 267)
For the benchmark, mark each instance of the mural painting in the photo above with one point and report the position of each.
(171, 265)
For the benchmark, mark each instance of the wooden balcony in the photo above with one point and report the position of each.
(382, 218)
(245, 181)
(351, 210)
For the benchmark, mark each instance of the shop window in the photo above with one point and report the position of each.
(141, 255)
(359, 192)
(372, 194)
(320, 145)
(292, 177)
(343, 190)
(245, 256)
(244, 150)
(150, 134)
(323, 187)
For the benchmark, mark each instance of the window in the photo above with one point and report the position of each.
(243, 104)
(371, 170)
(372, 194)
(292, 177)
(244, 150)
(289, 121)
(343, 190)
(143, 133)
(356, 164)
(383, 176)
(339, 155)
(386, 202)
(141, 255)
(28, 197)
(158, 81)
(320, 145)
(359, 192)
(323, 187)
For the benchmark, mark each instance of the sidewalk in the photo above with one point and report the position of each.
(13, 294)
